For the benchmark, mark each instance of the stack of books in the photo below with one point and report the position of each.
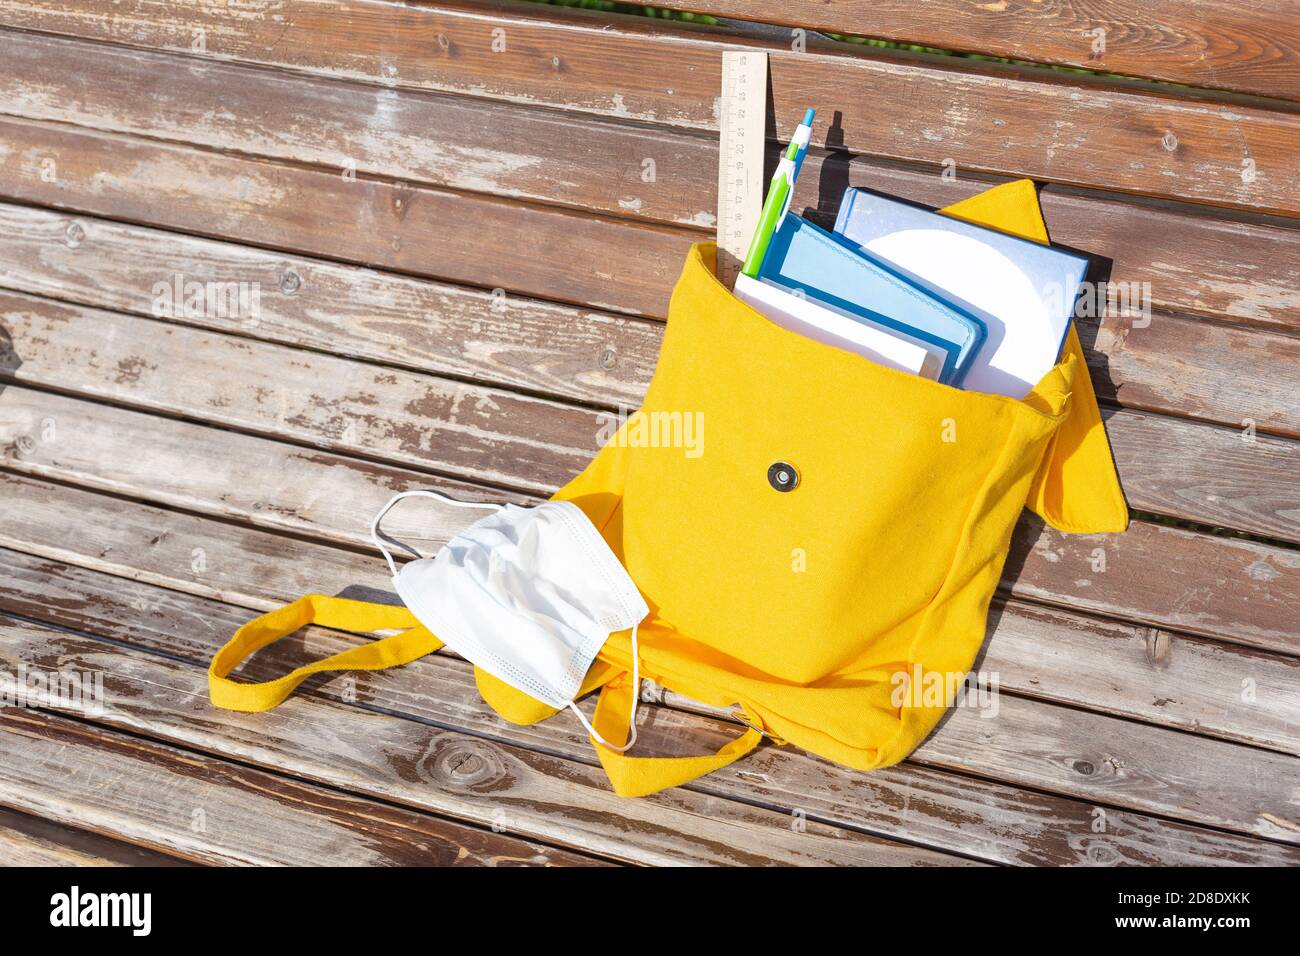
(912, 289)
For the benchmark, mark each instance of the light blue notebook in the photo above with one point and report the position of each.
(811, 261)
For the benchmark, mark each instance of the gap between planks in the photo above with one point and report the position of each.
(1214, 45)
(27, 840)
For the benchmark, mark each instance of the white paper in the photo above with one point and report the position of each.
(829, 326)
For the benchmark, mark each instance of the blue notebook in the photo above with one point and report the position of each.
(824, 267)
(1023, 291)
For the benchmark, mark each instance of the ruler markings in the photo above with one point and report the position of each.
(740, 156)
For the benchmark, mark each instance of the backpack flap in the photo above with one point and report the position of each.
(1076, 488)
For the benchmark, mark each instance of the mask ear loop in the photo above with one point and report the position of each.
(420, 493)
(636, 696)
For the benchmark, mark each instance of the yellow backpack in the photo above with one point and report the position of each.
(810, 594)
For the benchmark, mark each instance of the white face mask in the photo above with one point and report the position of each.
(528, 594)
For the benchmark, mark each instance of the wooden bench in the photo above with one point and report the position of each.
(461, 224)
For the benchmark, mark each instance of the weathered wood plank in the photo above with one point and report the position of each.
(1246, 270)
(1230, 477)
(328, 402)
(527, 344)
(259, 482)
(1125, 764)
(215, 812)
(1197, 369)
(30, 841)
(1021, 741)
(518, 792)
(1164, 576)
(1174, 365)
(1225, 44)
(533, 250)
(1097, 134)
(182, 551)
(440, 140)
(1174, 680)
(912, 802)
(1221, 587)
(1110, 768)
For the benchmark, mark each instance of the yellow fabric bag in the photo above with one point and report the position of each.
(813, 609)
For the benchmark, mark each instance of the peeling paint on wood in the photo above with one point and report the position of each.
(210, 811)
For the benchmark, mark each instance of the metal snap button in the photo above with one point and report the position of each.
(782, 476)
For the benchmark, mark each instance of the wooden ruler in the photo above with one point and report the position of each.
(743, 124)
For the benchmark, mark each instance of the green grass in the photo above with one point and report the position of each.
(635, 9)
(659, 13)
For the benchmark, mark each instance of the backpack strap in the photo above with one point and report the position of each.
(642, 776)
(343, 614)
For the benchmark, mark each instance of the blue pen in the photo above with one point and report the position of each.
(799, 143)
(802, 136)
(779, 193)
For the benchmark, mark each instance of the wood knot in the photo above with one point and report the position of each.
(1101, 853)
(463, 764)
(23, 446)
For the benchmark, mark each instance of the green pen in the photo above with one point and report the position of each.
(777, 202)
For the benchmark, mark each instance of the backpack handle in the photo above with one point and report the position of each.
(642, 776)
(342, 614)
